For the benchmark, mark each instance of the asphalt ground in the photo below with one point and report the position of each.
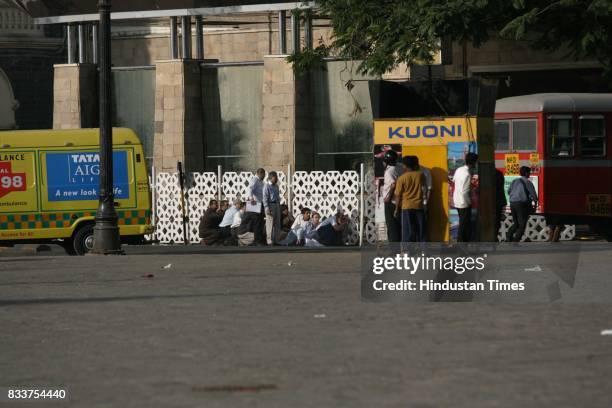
(282, 329)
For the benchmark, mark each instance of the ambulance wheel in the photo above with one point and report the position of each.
(82, 241)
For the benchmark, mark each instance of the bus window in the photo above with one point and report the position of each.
(560, 136)
(502, 135)
(592, 136)
(524, 135)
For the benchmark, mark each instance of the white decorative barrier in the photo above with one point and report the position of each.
(537, 230)
(199, 189)
(320, 191)
(325, 192)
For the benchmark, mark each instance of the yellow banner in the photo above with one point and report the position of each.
(425, 132)
(513, 164)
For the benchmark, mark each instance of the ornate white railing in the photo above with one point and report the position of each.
(323, 192)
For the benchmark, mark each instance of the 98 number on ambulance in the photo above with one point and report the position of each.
(12, 182)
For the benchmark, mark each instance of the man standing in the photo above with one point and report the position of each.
(409, 197)
(392, 172)
(461, 197)
(427, 187)
(500, 200)
(523, 198)
(271, 202)
(255, 193)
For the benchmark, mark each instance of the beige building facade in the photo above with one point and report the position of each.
(288, 129)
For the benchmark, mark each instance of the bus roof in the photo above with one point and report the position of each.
(63, 137)
(556, 102)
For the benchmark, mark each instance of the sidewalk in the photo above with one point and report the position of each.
(178, 249)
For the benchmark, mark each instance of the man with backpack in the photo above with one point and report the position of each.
(523, 201)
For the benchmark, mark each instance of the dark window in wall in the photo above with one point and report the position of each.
(341, 120)
(232, 114)
(31, 74)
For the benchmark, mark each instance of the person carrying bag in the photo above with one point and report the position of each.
(523, 203)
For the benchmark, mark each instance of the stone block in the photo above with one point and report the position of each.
(169, 103)
(178, 150)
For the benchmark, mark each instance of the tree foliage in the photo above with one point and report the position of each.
(384, 33)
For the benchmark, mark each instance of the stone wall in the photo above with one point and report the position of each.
(178, 116)
(225, 46)
(75, 96)
(277, 144)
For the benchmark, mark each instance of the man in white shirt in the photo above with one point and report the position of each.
(392, 172)
(461, 197)
(255, 196)
(297, 228)
(228, 218)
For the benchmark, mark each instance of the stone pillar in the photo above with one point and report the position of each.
(285, 131)
(178, 116)
(75, 96)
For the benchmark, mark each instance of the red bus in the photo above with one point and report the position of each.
(566, 139)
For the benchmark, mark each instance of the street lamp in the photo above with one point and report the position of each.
(106, 231)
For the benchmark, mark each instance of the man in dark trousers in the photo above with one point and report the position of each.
(500, 200)
(409, 197)
(392, 172)
(462, 196)
(523, 200)
(255, 197)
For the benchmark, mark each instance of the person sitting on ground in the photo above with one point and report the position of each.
(286, 222)
(223, 206)
(209, 225)
(298, 224)
(331, 231)
(228, 219)
(246, 231)
(308, 233)
(236, 223)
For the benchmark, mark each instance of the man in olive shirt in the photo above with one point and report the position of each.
(409, 197)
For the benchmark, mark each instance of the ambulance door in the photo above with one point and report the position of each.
(124, 178)
(18, 196)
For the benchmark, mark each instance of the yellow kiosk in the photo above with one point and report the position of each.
(441, 143)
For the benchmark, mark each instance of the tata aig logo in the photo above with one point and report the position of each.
(429, 131)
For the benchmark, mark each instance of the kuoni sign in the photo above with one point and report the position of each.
(420, 132)
(76, 175)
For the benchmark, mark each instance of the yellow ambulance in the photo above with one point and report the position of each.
(49, 182)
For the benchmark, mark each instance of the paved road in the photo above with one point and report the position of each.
(282, 330)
